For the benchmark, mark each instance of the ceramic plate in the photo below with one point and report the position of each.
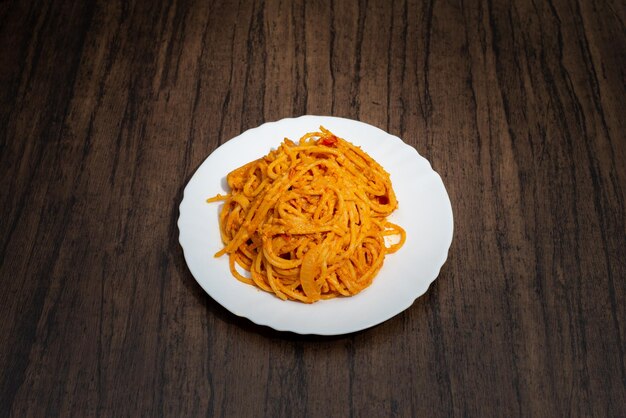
(424, 212)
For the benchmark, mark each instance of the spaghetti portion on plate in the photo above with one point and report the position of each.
(308, 221)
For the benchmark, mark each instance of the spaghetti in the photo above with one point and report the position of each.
(308, 220)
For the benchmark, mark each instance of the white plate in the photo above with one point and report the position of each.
(424, 212)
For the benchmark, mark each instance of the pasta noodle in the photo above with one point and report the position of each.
(308, 220)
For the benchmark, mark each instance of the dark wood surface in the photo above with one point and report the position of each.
(107, 108)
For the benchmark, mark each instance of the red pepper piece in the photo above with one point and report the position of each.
(329, 141)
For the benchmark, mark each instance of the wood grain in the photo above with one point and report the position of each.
(107, 108)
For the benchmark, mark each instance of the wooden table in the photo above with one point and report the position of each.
(107, 109)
